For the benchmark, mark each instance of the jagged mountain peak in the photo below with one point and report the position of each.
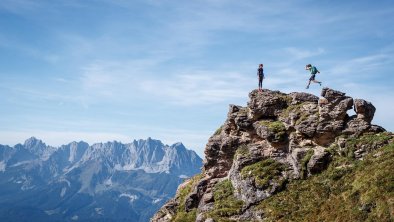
(96, 182)
(34, 142)
(279, 139)
(178, 145)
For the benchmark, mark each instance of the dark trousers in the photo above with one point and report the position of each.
(261, 81)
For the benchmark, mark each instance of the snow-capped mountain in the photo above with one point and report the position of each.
(103, 182)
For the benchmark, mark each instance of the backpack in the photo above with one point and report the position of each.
(313, 70)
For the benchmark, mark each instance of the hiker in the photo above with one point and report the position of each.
(260, 74)
(313, 71)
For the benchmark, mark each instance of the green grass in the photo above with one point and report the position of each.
(186, 216)
(369, 141)
(349, 190)
(264, 172)
(181, 214)
(225, 204)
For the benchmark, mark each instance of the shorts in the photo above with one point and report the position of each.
(312, 77)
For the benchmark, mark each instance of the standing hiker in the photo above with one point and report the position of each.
(260, 74)
(313, 71)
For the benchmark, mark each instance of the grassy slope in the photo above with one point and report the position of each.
(348, 190)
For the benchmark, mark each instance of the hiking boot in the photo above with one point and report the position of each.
(320, 83)
(307, 87)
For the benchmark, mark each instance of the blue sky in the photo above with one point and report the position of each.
(103, 70)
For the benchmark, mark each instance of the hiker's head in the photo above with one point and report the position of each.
(261, 65)
(308, 66)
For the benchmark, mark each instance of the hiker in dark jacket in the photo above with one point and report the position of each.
(313, 71)
(260, 74)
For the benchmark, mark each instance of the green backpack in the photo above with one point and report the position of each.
(313, 70)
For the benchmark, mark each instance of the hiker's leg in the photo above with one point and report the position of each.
(309, 82)
(315, 81)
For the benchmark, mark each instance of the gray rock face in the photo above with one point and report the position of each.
(266, 103)
(300, 97)
(106, 181)
(278, 137)
(365, 110)
(319, 161)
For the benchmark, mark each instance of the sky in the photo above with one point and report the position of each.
(104, 70)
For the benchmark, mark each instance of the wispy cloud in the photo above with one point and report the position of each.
(298, 53)
(358, 67)
(199, 87)
(122, 59)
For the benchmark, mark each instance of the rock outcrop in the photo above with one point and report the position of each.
(275, 139)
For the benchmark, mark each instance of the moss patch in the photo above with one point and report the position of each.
(349, 190)
(277, 128)
(304, 163)
(242, 151)
(218, 131)
(286, 98)
(297, 109)
(264, 172)
(243, 111)
(225, 204)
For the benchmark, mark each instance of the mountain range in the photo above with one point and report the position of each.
(100, 182)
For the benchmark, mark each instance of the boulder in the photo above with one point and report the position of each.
(266, 103)
(364, 109)
(300, 97)
(319, 161)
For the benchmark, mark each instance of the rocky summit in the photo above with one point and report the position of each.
(292, 157)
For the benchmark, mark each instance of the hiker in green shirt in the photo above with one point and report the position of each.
(313, 71)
